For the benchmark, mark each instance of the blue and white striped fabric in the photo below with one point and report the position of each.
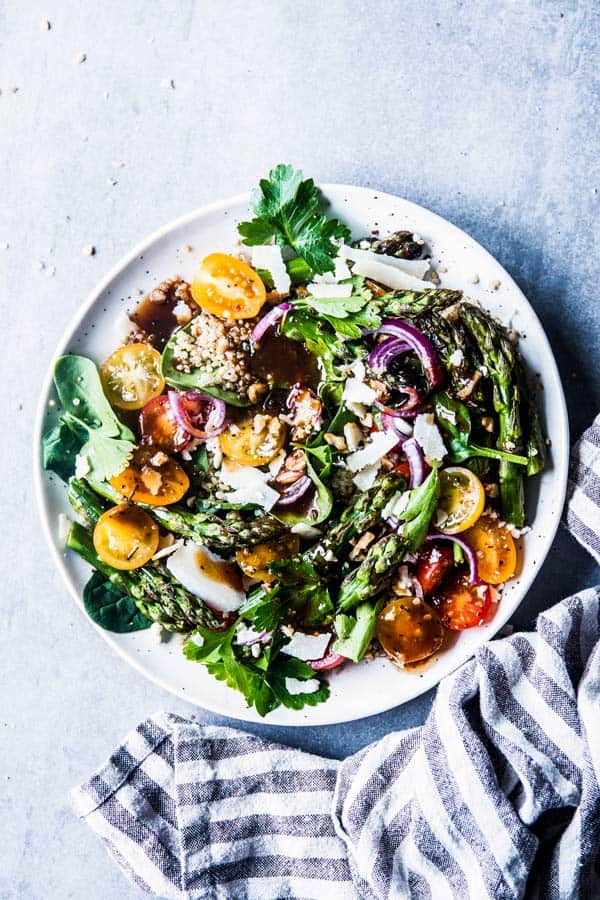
(496, 796)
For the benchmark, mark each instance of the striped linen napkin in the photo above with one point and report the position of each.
(496, 796)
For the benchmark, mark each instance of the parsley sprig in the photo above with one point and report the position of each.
(262, 680)
(288, 210)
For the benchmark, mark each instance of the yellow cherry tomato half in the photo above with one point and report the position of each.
(495, 549)
(409, 630)
(131, 376)
(253, 561)
(462, 499)
(125, 537)
(227, 287)
(152, 478)
(253, 440)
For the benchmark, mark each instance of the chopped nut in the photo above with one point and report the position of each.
(353, 436)
(364, 541)
(473, 278)
(293, 467)
(80, 58)
(256, 391)
(335, 440)
(488, 423)
(495, 284)
(90, 250)
(159, 459)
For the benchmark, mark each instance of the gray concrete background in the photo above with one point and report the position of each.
(486, 112)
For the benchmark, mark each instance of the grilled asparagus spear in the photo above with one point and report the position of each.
(224, 534)
(360, 516)
(156, 594)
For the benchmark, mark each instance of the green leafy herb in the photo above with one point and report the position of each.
(288, 210)
(263, 608)
(110, 608)
(455, 421)
(88, 426)
(305, 589)
(262, 681)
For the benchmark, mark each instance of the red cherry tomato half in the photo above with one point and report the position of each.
(158, 427)
(462, 605)
(331, 660)
(434, 563)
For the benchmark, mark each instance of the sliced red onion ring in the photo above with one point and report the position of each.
(397, 426)
(421, 345)
(383, 353)
(467, 549)
(416, 461)
(244, 640)
(393, 523)
(272, 318)
(409, 408)
(295, 491)
(198, 414)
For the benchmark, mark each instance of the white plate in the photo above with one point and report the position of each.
(375, 686)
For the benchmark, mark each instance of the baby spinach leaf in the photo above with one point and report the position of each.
(419, 510)
(88, 426)
(110, 608)
(60, 446)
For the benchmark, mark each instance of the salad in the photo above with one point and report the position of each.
(308, 455)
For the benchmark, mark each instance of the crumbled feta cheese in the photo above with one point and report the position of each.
(82, 466)
(365, 479)
(307, 646)
(157, 633)
(64, 526)
(325, 291)
(305, 531)
(381, 443)
(214, 448)
(428, 436)
(295, 686)
(197, 639)
(455, 359)
(355, 389)
(182, 312)
(249, 485)
(268, 256)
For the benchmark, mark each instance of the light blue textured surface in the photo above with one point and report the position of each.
(485, 112)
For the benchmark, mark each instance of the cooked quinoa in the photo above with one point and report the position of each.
(218, 346)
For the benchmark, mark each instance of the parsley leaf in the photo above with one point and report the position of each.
(288, 210)
(262, 681)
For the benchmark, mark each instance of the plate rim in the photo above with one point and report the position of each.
(70, 330)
